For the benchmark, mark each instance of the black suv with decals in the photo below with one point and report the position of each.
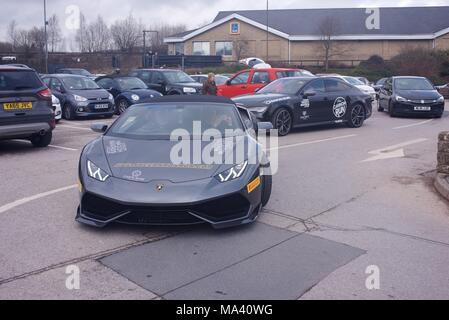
(298, 102)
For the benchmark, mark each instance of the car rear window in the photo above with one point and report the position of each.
(19, 80)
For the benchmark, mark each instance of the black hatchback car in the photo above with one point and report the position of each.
(25, 106)
(80, 96)
(168, 82)
(126, 91)
(307, 101)
(410, 96)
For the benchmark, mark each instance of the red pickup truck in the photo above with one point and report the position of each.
(248, 81)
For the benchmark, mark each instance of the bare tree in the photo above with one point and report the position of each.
(12, 33)
(100, 35)
(37, 37)
(81, 34)
(127, 33)
(328, 30)
(54, 33)
(24, 41)
(241, 48)
(164, 30)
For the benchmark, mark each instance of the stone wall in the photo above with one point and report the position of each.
(443, 153)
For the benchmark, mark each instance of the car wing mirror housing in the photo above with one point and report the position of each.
(99, 127)
(308, 94)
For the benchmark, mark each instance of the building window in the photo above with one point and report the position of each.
(179, 48)
(201, 48)
(223, 48)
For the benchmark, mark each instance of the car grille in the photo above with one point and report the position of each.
(222, 209)
(422, 101)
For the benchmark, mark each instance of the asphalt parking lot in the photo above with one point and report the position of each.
(343, 200)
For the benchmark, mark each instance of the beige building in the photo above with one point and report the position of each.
(298, 36)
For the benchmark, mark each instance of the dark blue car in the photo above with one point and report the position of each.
(126, 91)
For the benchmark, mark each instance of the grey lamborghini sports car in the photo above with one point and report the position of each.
(154, 166)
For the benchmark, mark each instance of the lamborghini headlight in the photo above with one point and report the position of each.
(95, 172)
(233, 173)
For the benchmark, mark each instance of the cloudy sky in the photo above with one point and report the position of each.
(192, 13)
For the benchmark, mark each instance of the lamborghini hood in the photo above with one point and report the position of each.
(153, 160)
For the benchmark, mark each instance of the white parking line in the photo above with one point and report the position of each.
(413, 124)
(312, 142)
(23, 201)
(62, 148)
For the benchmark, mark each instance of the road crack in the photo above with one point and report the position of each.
(94, 256)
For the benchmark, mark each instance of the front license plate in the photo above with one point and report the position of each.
(17, 106)
(420, 108)
(101, 106)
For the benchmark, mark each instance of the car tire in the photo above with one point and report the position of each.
(282, 120)
(357, 116)
(379, 108)
(39, 141)
(391, 111)
(267, 184)
(122, 106)
(68, 112)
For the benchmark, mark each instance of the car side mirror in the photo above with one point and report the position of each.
(228, 82)
(264, 126)
(99, 127)
(308, 94)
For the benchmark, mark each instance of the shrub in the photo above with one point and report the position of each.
(421, 62)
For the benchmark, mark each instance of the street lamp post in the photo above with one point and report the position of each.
(268, 31)
(45, 36)
(144, 62)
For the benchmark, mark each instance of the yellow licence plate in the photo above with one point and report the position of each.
(18, 106)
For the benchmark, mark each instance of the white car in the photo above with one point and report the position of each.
(255, 63)
(56, 104)
(359, 84)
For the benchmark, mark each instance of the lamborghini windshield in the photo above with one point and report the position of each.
(161, 121)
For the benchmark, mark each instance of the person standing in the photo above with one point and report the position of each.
(209, 86)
